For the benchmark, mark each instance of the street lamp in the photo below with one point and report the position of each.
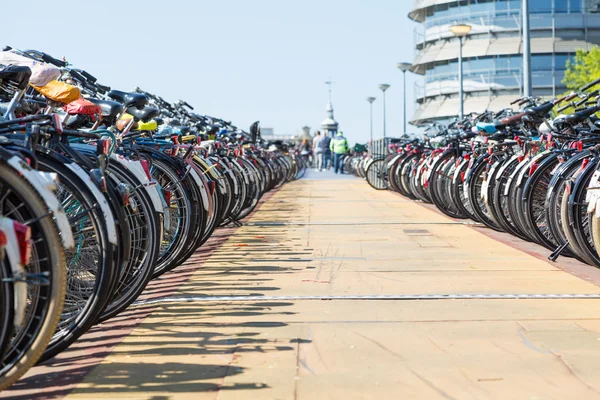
(404, 67)
(384, 87)
(371, 100)
(460, 31)
(526, 49)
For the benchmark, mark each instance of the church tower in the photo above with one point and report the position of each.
(329, 126)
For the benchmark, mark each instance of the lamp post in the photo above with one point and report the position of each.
(526, 50)
(371, 100)
(384, 87)
(460, 31)
(404, 67)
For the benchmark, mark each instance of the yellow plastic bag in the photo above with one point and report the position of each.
(59, 91)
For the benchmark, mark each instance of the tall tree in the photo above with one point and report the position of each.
(584, 68)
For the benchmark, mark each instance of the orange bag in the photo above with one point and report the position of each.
(59, 91)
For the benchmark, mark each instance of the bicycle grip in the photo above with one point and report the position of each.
(591, 84)
(51, 60)
(88, 76)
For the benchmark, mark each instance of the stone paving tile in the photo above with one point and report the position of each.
(330, 235)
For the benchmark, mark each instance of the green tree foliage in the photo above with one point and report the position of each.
(584, 68)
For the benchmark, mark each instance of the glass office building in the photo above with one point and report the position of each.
(492, 52)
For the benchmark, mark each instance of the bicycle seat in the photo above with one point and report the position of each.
(109, 108)
(17, 75)
(512, 120)
(182, 129)
(145, 114)
(540, 110)
(580, 116)
(129, 99)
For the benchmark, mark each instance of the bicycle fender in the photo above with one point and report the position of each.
(42, 182)
(17, 270)
(102, 202)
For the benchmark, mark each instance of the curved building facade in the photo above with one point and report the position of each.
(492, 52)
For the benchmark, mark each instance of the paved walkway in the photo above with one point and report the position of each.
(314, 242)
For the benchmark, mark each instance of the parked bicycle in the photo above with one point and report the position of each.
(103, 190)
(533, 172)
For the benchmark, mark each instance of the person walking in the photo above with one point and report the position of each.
(305, 150)
(339, 147)
(317, 152)
(325, 152)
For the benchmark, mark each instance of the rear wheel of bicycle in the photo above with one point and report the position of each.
(377, 174)
(6, 305)
(91, 266)
(19, 201)
(576, 220)
(180, 213)
(477, 196)
(440, 183)
(535, 191)
(144, 224)
(501, 198)
(459, 194)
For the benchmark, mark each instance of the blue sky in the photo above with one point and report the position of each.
(236, 59)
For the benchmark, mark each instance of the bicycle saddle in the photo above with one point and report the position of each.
(17, 75)
(540, 110)
(129, 99)
(145, 114)
(109, 108)
(581, 115)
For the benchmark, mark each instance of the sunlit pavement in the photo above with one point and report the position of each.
(330, 236)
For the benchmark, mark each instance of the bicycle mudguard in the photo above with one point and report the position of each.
(203, 186)
(17, 270)
(43, 183)
(151, 188)
(101, 199)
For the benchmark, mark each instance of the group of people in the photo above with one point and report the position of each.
(327, 151)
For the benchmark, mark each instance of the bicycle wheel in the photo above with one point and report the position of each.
(44, 301)
(91, 265)
(377, 174)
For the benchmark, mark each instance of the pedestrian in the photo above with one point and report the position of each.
(325, 152)
(317, 152)
(339, 147)
(305, 150)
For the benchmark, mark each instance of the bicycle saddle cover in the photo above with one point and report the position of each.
(486, 127)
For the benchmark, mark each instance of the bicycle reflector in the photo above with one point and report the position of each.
(569, 187)
(23, 235)
(103, 146)
(3, 241)
(99, 179)
(584, 163)
(57, 124)
(533, 168)
(146, 168)
(167, 194)
(125, 193)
